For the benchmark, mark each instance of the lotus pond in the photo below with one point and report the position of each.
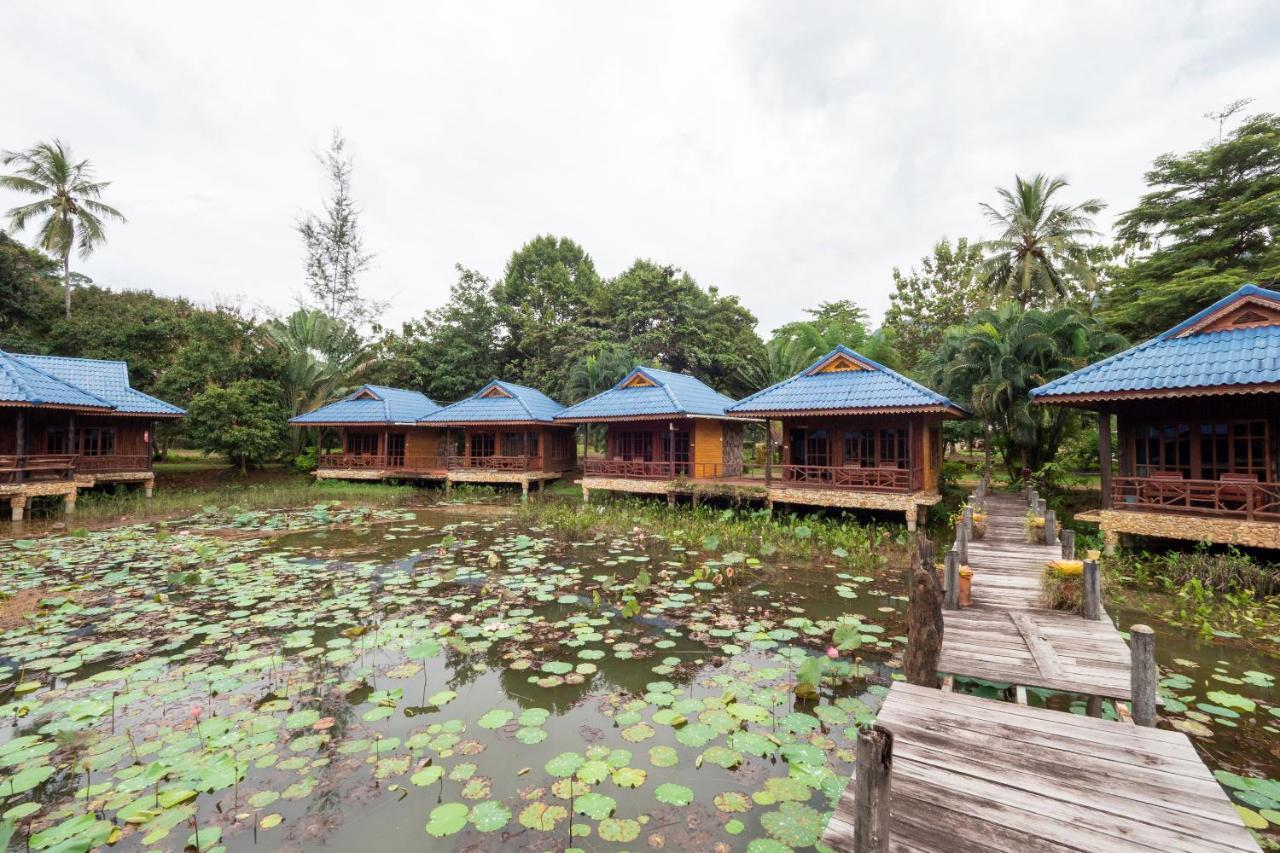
(396, 679)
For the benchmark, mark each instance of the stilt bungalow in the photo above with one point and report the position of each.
(854, 434)
(1197, 419)
(378, 436)
(666, 433)
(72, 423)
(504, 433)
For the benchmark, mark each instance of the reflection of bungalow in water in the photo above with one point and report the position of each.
(378, 436)
(504, 433)
(1196, 409)
(665, 433)
(854, 434)
(72, 423)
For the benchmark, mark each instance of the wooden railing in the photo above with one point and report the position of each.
(48, 466)
(635, 469)
(115, 462)
(494, 463)
(857, 479)
(1232, 498)
(379, 462)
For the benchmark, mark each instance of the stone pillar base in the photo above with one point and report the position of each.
(18, 505)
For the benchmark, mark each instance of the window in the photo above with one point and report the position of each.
(482, 445)
(96, 441)
(561, 445)
(531, 444)
(55, 440)
(362, 443)
(860, 448)
(635, 446)
(817, 448)
(1163, 449)
(893, 448)
(513, 444)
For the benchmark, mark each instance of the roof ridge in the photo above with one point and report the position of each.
(518, 395)
(6, 363)
(80, 389)
(666, 387)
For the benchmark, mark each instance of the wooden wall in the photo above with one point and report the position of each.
(131, 433)
(421, 443)
(708, 447)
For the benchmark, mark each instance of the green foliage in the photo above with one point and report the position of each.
(547, 289)
(68, 213)
(993, 362)
(452, 350)
(944, 291)
(1207, 226)
(1039, 257)
(27, 300)
(597, 372)
(245, 421)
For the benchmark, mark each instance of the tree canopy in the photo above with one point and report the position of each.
(1209, 223)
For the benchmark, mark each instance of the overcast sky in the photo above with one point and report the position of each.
(785, 152)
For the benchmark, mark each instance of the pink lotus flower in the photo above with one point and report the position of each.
(196, 711)
(832, 652)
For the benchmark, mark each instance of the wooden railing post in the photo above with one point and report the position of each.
(872, 790)
(1031, 495)
(951, 568)
(1068, 539)
(924, 622)
(1050, 527)
(1091, 591)
(1143, 674)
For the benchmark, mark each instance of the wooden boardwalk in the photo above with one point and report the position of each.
(1007, 637)
(974, 774)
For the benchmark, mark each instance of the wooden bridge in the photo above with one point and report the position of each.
(942, 771)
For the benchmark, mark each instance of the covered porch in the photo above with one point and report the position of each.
(1203, 470)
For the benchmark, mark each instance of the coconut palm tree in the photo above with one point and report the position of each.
(69, 211)
(782, 358)
(1039, 252)
(598, 372)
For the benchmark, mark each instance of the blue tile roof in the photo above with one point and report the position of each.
(521, 405)
(50, 380)
(106, 380)
(671, 394)
(372, 404)
(1243, 356)
(874, 388)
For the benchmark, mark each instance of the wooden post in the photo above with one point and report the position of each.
(962, 543)
(1091, 591)
(1042, 506)
(1050, 527)
(1104, 457)
(952, 570)
(1093, 707)
(966, 516)
(872, 790)
(1068, 538)
(1031, 495)
(768, 453)
(924, 624)
(19, 450)
(1143, 674)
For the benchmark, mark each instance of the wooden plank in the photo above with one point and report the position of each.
(1045, 655)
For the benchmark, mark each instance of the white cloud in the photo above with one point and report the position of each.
(788, 153)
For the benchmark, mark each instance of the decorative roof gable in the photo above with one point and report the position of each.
(647, 392)
(1233, 346)
(845, 382)
(372, 404)
(499, 402)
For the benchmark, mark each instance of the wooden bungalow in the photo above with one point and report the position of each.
(854, 434)
(666, 433)
(72, 423)
(504, 433)
(1197, 416)
(378, 436)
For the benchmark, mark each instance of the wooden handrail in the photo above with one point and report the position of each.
(852, 478)
(1227, 497)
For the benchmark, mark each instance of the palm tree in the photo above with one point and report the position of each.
(1039, 252)
(782, 358)
(323, 358)
(995, 360)
(71, 214)
(598, 372)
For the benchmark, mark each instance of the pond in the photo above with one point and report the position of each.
(427, 680)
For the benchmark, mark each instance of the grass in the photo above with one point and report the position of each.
(750, 531)
(281, 490)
